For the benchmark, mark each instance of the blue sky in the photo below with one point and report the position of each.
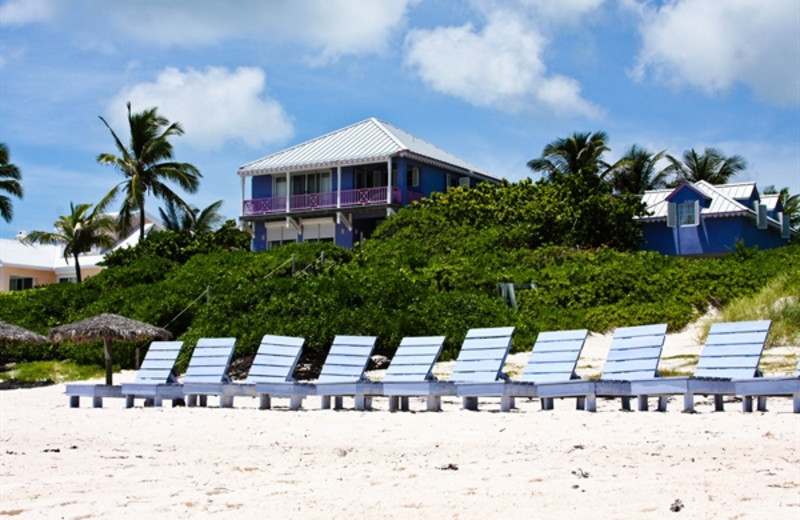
(490, 81)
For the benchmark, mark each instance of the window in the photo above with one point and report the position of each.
(412, 177)
(280, 187)
(317, 182)
(687, 214)
(19, 283)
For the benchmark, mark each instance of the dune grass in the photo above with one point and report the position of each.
(48, 372)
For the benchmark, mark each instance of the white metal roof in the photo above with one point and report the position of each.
(722, 201)
(369, 141)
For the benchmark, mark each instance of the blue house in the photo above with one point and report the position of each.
(701, 219)
(340, 186)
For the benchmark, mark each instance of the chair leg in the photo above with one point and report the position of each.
(97, 402)
(719, 404)
(796, 403)
(662, 403)
(470, 403)
(591, 403)
(338, 402)
(203, 401)
(264, 402)
(360, 402)
(191, 400)
(688, 402)
(434, 403)
(226, 401)
(325, 402)
(129, 399)
(393, 403)
(626, 403)
(74, 401)
(642, 403)
(747, 404)
(506, 403)
(404, 403)
(296, 402)
(762, 403)
(580, 403)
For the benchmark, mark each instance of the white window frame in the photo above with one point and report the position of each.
(688, 209)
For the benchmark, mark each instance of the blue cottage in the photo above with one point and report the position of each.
(340, 186)
(701, 219)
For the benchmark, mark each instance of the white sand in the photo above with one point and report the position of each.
(242, 463)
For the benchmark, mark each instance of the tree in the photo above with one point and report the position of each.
(9, 183)
(189, 218)
(79, 232)
(637, 172)
(710, 166)
(146, 162)
(578, 155)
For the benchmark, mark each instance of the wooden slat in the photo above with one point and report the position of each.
(492, 332)
(471, 355)
(561, 336)
(157, 364)
(355, 340)
(287, 341)
(652, 353)
(733, 340)
(269, 349)
(569, 345)
(640, 330)
(485, 343)
(410, 342)
(729, 327)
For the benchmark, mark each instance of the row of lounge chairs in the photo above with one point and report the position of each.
(728, 366)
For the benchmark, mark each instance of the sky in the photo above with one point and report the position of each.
(491, 81)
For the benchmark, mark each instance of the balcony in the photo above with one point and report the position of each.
(323, 201)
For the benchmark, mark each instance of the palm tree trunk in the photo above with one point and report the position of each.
(77, 267)
(141, 223)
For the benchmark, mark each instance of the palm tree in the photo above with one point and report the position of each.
(637, 172)
(578, 155)
(9, 183)
(710, 166)
(79, 232)
(191, 219)
(146, 163)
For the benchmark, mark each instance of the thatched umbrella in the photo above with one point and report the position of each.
(13, 335)
(108, 327)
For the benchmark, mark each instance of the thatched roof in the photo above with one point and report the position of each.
(13, 335)
(107, 327)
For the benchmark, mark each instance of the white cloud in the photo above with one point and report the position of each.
(499, 66)
(330, 28)
(24, 12)
(214, 106)
(713, 45)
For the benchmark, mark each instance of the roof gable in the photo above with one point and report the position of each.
(365, 142)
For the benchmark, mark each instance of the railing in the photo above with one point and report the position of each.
(413, 196)
(325, 200)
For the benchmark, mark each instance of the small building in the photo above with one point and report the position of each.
(25, 266)
(701, 219)
(340, 186)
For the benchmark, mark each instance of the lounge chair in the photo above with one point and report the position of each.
(732, 351)
(553, 360)
(343, 373)
(157, 368)
(207, 369)
(763, 387)
(479, 366)
(633, 355)
(271, 373)
(157, 378)
(411, 373)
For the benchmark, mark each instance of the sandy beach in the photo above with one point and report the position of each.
(84, 463)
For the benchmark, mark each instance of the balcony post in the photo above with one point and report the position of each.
(389, 181)
(338, 187)
(288, 191)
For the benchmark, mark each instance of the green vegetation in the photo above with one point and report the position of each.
(10, 177)
(49, 372)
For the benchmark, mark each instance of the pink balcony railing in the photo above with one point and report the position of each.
(325, 200)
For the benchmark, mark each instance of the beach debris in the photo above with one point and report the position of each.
(676, 506)
(449, 467)
(378, 362)
(580, 473)
(52, 450)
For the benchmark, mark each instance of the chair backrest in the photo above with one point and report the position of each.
(275, 360)
(210, 359)
(158, 366)
(634, 353)
(733, 349)
(482, 355)
(554, 356)
(347, 359)
(414, 359)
